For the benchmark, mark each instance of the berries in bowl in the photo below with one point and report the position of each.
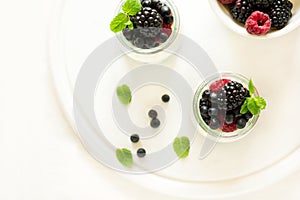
(263, 18)
(146, 26)
(227, 106)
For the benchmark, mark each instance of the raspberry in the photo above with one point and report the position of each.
(229, 127)
(227, 1)
(258, 23)
(218, 85)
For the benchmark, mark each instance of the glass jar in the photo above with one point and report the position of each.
(218, 135)
(175, 30)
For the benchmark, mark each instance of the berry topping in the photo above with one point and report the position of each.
(232, 95)
(214, 123)
(261, 3)
(165, 10)
(227, 128)
(226, 1)
(258, 23)
(241, 123)
(218, 85)
(241, 10)
(280, 13)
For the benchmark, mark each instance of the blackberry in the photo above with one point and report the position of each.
(232, 95)
(242, 10)
(280, 13)
(261, 3)
(148, 21)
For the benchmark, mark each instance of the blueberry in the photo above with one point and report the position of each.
(248, 116)
(162, 37)
(213, 97)
(155, 123)
(214, 123)
(168, 19)
(206, 94)
(241, 123)
(134, 138)
(213, 112)
(204, 110)
(127, 33)
(165, 98)
(229, 118)
(146, 3)
(141, 152)
(154, 3)
(165, 10)
(149, 43)
(152, 113)
(139, 42)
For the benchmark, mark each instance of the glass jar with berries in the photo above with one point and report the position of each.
(146, 26)
(227, 106)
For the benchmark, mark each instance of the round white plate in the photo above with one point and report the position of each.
(267, 155)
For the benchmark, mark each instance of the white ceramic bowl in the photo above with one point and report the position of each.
(224, 15)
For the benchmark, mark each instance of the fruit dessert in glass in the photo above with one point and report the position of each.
(227, 106)
(146, 26)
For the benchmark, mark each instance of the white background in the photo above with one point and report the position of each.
(40, 156)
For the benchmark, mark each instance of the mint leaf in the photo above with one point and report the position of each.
(131, 7)
(181, 146)
(119, 23)
(130, 24)
(252, 107)
(251, 87)
(125, 157)
(260, 103)
(244, 108)
(124, 94)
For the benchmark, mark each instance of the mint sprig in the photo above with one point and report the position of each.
(124, 94)
(124, 156)
(181, 146)
(122, 20)
(253, 104)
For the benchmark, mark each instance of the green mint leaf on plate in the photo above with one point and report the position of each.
(244, 108)
(131, 7)
(260, 103)
(251, 87)
(124, 94)
(125, 157)
(119, 23)
(181, 146)
(252, 107)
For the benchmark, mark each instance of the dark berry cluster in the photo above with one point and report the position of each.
(220, 106)
(278, 12)
(152, 25)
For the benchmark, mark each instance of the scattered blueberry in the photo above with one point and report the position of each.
(135, 138)
(152, 113)
(141, 152)
(165, 98)
(155, 123)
